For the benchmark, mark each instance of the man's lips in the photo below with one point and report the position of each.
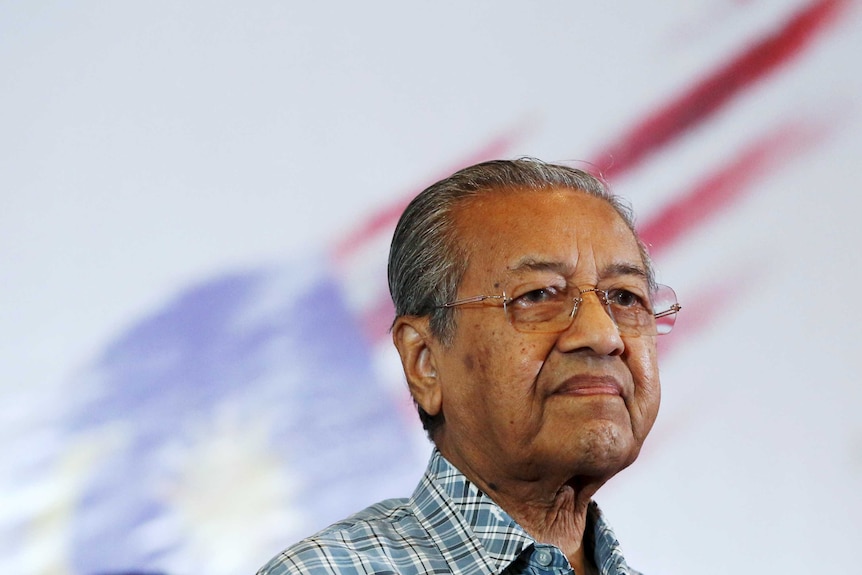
(590, 385)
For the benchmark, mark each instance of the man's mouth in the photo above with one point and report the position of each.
(590, 385)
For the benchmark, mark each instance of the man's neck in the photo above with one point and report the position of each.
(552, 512)
(561, 520)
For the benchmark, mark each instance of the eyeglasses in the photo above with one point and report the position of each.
(552, 310)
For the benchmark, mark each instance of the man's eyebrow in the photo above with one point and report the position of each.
(615, 269)
(624, 269)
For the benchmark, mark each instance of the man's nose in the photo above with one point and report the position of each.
(592, 328)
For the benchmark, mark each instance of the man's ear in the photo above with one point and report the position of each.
(416, 346)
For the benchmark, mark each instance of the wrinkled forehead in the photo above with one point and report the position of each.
(570, 229)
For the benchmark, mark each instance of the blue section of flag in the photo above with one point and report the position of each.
(300, 364)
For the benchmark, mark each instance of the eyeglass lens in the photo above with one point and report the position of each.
(555, 312)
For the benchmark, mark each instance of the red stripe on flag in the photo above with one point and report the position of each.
(719, 190)
(717, 89)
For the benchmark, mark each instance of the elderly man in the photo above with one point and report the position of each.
(526, 321)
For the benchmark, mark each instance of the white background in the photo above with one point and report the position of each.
(147, 146)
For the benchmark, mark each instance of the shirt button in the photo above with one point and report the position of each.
(543, 557)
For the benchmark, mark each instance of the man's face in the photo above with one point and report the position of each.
(536, 405)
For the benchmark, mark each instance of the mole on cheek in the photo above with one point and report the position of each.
(468, 361)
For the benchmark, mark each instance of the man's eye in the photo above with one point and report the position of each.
(624, 298)
(538, 296)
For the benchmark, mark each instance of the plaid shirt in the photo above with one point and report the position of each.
(448, 526)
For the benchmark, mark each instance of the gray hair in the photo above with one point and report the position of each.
(426, 259)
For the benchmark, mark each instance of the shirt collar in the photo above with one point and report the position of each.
(607, 552)
(476, 534)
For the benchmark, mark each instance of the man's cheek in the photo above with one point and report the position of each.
(642, 360)
(643, 365)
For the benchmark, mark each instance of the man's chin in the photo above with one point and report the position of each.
(602, 451)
